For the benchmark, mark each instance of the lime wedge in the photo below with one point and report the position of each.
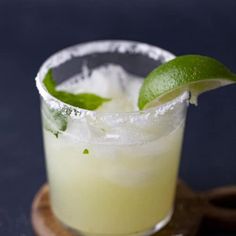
(193, 73)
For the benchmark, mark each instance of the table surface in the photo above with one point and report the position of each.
(33, 30)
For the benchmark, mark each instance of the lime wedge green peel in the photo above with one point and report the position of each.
(193, 73)
(87, 101)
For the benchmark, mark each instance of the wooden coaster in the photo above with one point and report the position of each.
(185, 221)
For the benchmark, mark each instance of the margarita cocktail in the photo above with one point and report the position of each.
(111, 170)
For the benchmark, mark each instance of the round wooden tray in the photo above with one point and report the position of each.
(190, 210)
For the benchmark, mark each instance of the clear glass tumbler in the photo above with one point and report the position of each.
(111, 173)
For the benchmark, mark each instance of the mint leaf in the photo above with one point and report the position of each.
(86, 151)
(88, 101)
(54, 120)
(58, 118)
(56, 133)
(49, 83)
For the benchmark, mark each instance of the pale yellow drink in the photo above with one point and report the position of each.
(115, 179)
(114, 189)
(112, 171)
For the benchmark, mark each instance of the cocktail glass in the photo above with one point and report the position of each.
(111, 173)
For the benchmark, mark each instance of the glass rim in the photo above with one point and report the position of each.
(102, 46)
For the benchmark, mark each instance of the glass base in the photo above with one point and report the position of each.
(146, 232)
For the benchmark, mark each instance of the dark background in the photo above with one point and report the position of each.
(30, 31)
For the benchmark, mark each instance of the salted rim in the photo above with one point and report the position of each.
(102, 46)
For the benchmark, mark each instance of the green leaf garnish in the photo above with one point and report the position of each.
(87, 101)
(86, 151)
(54, 120)
(49, 83)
